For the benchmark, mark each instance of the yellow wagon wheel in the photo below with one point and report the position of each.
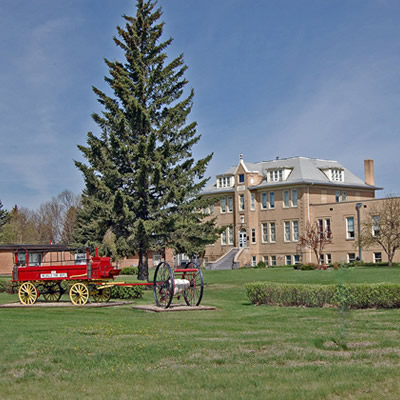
(27, 293)
(53, 292)
(102, 295)
(79, 294)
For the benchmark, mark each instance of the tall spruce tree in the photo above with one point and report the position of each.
(142, 182)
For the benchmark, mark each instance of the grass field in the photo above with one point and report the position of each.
(238, 352)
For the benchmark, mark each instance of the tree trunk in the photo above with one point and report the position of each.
(390, 260)
(143, 267)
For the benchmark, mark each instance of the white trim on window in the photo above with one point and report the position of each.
(271, 198)
(295, 231)
(286, 200)
(253, 236)
(264, 233)
(223, 205)
(252, 201)
(287, 234)
(350, 230)
(294, 198)
(241, 202)
(264, 201)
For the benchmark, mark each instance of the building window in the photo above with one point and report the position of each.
(224, 181)
(288, 260)
(324, 228)
(294, 198)
(253, 236)
(272, 232)
(286, 225)
(241, 178)
(351, 257)
(321, 259)
(264, 233)
(337, 197)
(230, 234)
(286, 198)
(230, 204)
(265, 259)
(223, 205)
(212, 209)
(271, 200)
(295, 227)
(297, 259)
(376, 225)
(328, 232)
(377, 257)
(337, 175)
(223, 237)
(350, 227)
(242, 219)
(276, 175)
(321, 228)
(241, 202)
(253, 261)
(344, 196)
(329, 259)
(252, 201)
(263, 200)
(273, 260)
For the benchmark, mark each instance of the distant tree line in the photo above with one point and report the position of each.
(54, 221)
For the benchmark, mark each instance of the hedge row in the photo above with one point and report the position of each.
(127, 292)
(378, 295)
(129, 271)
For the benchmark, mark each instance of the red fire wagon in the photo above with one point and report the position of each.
(83, 276)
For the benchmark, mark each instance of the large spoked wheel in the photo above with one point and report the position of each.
(27, 293)
(79, 294)
(163, 285)
(194, 293)
(52, 292)
(102, 295)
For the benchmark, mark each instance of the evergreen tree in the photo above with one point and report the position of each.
(142, 181)
(4, 216)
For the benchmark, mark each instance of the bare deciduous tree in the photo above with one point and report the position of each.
(382, 227)
(53, 221)
(315, 239)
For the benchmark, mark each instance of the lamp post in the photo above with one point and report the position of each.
(358, 206)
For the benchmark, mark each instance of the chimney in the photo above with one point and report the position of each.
(369, 172)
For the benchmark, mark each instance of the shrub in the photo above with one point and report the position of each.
(286, 294)
(129, 271)
(306, 267)
(261, 264)
(127, 292)
(379, 295)
(6, 286)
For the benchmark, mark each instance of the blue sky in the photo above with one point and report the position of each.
(272, 78)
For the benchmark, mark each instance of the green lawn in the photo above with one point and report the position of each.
(238, 352)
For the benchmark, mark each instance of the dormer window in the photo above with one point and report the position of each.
(224, 181)
(278, 174)
(334, 174)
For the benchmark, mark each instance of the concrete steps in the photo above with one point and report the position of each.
(225, 262)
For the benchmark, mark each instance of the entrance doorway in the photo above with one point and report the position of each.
(242, 238)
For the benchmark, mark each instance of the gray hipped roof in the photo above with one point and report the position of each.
(304, 171)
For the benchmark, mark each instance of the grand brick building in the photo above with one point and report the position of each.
(266, 206)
